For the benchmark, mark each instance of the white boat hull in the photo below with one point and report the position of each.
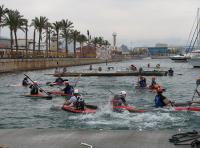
(195, 61)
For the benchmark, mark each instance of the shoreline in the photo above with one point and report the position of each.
(62, 138)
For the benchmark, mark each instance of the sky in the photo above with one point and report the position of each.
(136, 22)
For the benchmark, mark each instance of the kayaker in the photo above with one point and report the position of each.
(34, 88)
(170, 72)
(76, 101)
(154, 85)
(56, 71)
(158, 66)
(59, 80)
(160, 100)
(68, 89)
(142, 82)
(25, 82)
(64, 69)
(119, 99)
(133, 67)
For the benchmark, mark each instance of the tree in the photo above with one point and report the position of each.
(74, 36)
(3, 11)
(48, 37)
(39, 24)
(95, 41)
(81, 39)
(66, 27)
(15, 21)
(26, 37)
(57, 26)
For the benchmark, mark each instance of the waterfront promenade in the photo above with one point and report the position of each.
(64, 138)
(13, 65)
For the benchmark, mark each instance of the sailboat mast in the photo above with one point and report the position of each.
(198, 29)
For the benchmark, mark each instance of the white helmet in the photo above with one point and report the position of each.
(122, 93)
(75, 91)
(35, 82)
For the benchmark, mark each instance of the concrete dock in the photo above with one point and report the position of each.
(64, 138)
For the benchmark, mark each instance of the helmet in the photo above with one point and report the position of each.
(35, 82)
(66, 82)
(75, 91)
(122, 93)
(159, 90)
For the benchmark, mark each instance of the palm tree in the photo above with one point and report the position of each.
(88, 36)
(74, 36)
(57, 26)
(81, 39)
(26, 37)
(39, 24)
(2, 15)
(106, 43)
(95, 41)
(48, 36)
(15, 21)
(66, 27)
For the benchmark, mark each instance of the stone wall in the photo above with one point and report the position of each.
(11, 65)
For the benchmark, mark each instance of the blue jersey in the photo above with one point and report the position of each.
(159, 101)
(143, 83)
(68, 89)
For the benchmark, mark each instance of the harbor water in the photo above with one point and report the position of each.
(17, 111)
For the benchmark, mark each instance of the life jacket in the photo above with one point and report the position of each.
(34, 89)
(68, 89)
(142, 83)
(171, 72)
(158, 101)
(59, 80)
(117, 101)
(80, 104)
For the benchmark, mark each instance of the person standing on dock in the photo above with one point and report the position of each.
(160, 100)
(68, 90)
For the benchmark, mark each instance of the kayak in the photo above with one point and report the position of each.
(150, 89)
(128, 108)
(60, 93)
(74, 110)
(39, 96)
(54, 83)
(187, 108)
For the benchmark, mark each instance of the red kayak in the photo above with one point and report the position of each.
(60, 93)
(74, 110)
(39, 96)
(129, 108)
(188, 108)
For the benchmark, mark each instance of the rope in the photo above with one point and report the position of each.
(188, 138)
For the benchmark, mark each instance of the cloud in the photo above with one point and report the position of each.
(142, 21)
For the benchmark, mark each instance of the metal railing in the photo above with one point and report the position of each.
(30, 54)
